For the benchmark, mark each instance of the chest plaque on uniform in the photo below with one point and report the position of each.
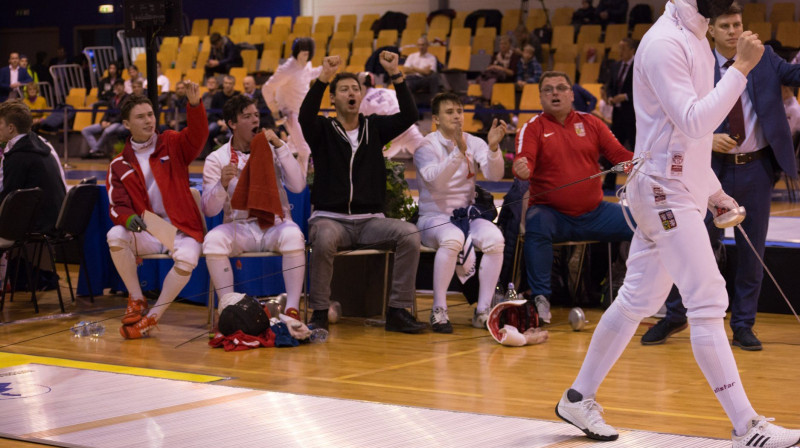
(580, 130)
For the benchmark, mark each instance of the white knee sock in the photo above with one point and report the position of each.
(125, 262)
(172, 286)
(715, 358)
(613, 332)
(489, 272)
(444, 266)
(293, 269)
(219, 268)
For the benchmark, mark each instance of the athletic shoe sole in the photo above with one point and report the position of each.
(586, 431)
(749, 348)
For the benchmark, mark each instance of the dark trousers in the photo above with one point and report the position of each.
(751, 186)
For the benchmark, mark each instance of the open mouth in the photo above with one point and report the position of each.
(351, 102)
(556, 102)
(255, 130)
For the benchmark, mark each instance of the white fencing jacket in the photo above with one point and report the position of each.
(443, 172)
(677, 106)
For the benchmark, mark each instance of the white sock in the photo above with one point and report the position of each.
(125, 262)
(293, 272)
(488, 273)
(173, 284)
(613, 332)
(444, 266)
(715, 358)
(219, 268)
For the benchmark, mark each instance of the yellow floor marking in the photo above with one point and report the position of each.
(13, 359)
(406, 364)
(140, 415)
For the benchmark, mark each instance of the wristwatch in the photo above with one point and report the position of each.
(396, 76)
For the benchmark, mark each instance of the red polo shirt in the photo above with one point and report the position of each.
(559, 154)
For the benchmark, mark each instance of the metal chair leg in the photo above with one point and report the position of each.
(58, 288)
(66, 271)
(86, 269)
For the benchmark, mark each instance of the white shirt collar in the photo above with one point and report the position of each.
(11, 142)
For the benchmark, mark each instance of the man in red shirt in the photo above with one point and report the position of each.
(553, 149)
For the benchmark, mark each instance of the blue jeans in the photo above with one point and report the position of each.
(545, 226)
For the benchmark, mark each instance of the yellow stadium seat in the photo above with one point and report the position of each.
(763, 29)
(536, 19)
(439, 51)
(593, 88)
(174, 75)
(639, 29)
(503, 93)
(754, 12)
(567, 67)
(590, 72)
(416, 21)
(219, 25)
(199, 27)
(441, 22)
(323, 29)
(530, 100)
(250, 57)
(459, 58)
(283, 20)
(460, 37)
(266, 21)
(242, 22)
(195, 75)
(483, 44)
(788, 34)
(270, 59)
(238, 73)
(302, 29)
(562, 16)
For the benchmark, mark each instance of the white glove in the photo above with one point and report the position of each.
(720, 203)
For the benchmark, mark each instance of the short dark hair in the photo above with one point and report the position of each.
(214, 38)
(341, 76)
(133, 66)
(131, 102)
(303, 44)
(118, 82)
(234, 106)
(442, 97)
(17, 113)
(630, 42)
(553, 74)
(732, 10)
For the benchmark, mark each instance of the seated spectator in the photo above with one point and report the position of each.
(446, 167)
(137, 87)
(133, 75)
(285, 89)
(28, 162)
(13, 78)
(585, 15)
(604, 111)
(576, 213)
(160, 186)
(223, 56)
(528, 68)
(243, 231)
(176, 115)
(110, 127)
(106, 87)
(163, 85)
(792, 108)
(503, 68)
(350, 188)
(612, 11)
(212, 87)
(584, 100)
(35, 103)
(420, 69)
(216, 125)
(382, 101)
(254, 93)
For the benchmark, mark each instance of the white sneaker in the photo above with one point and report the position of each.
(543, 308)
(586, 416)
(479, 319)
(763, 434)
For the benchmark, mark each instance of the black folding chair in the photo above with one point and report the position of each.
(16, 217)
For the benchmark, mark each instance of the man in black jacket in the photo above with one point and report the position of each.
(350, 188)
(27, 163)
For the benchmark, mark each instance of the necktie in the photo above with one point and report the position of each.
(736, 116)
(621, 76)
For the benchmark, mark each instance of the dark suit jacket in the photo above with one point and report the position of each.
(764, 90)
(5, 80)
(624, 115)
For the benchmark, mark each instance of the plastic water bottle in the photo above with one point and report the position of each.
(511, 293)
(498, 296)
(318, 336)
(85, 328)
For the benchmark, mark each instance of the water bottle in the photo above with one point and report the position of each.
(85, 328)
(511, 293)
(318, 336)
(498, 296)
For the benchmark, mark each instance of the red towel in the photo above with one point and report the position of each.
(241, 341)
(258, 194)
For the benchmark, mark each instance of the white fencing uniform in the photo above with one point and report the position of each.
(381, 101)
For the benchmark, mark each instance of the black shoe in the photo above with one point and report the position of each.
(746, 340)
(319, 319)
(95, 155)
(659, 333)
(398, 319)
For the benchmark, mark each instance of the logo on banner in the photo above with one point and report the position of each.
(579, 129)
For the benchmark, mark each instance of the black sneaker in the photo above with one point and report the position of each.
(659, 333)
(319, 319)
(746, 340)
(440, 323)
(400, 320)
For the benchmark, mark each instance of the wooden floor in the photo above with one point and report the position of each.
(656, 388)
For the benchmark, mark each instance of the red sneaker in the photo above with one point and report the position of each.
(139, 329)
(293, 313)
(135, 311)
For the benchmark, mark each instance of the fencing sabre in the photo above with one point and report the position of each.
(734, 218)
(622, 167)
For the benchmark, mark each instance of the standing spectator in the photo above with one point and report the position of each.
(24, 64)
(556, 148)
(420, 69)
(620, 96)
(529, 70)
(612, 11)
(159, 184)
(584, 100)
(285, 90)
(446, 167)
(503, 67)
(178, 101)
(13, 78)
(223, 55)
(60, 58)
(349, 189)
(110, 126)
(792, 108)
